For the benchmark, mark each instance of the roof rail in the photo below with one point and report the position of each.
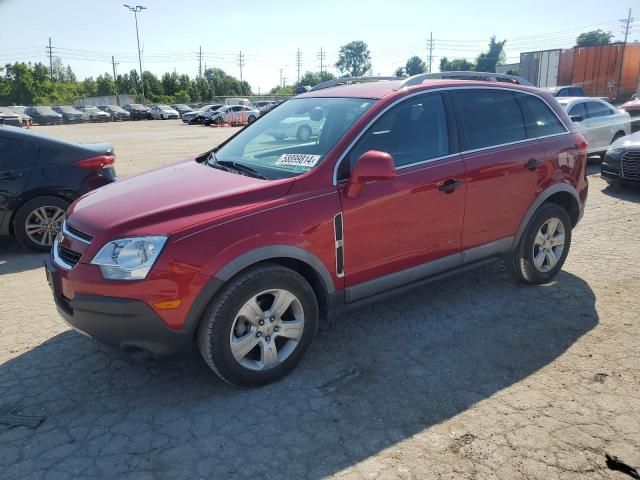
(465, 75)
(350, 81)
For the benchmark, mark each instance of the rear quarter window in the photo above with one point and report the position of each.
(539, 119)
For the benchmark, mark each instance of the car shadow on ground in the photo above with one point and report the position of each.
(374, 378)
(628, 193)
(15, 258)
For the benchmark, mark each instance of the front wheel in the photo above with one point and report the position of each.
(38, 221)
(544, 245)
(251, 119)
(260, 325)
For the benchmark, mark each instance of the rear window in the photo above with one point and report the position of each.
(597, 109)
(490, 118)
(539, 120)
(578, 110)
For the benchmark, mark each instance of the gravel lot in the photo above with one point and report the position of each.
(474, 377)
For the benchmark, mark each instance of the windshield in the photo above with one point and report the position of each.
(136, 106)
(116, 108)
(164, 107)
(68, 109)
(294, 137)
(44, 110)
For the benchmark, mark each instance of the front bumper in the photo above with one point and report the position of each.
(130, 327)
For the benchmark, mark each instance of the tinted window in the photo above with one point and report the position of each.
(16, 155)
(414, 131)
(563, 92)
(578, 110)
(539, 120)
(576, 92)
(490, 117)
(597, 109)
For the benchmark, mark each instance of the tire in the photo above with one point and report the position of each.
(251, 119)
(218, 121)
(304, 133)
(522, 262)
(30, 215)
(222, 323)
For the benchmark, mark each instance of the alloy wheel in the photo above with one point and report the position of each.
(267, 329)
(548, 245)
(43, 224)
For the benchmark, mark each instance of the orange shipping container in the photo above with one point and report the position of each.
(603, 70)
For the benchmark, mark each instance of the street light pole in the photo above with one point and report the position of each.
(135, 10)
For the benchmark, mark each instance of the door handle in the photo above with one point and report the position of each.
(532, 164)
(450, 185)
(10, 175)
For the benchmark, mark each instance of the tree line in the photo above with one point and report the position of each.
(36, 84)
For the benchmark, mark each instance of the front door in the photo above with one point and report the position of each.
(398, 230)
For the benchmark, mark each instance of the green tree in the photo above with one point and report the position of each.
(182, 97)
(170, 83)
(105, 85)
(280, 90)
(486, 62)
(400, 72)
(594, 37)
(415, 66)
(312, 79)
(354, 59)
(455, 65)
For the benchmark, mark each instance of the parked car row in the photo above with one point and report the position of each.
(218, 114)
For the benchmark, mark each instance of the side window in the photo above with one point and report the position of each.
(563, 92)
(539, 120)
(577, 92)
(490, 118)
(597, 109)
(16, 155)
(413, 131)
(578, 110)
(236, 109)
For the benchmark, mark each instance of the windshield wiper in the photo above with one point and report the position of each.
(239, 167)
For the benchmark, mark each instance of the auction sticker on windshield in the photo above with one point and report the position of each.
(298, 160)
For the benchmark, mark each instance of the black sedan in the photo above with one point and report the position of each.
(181, 108)
(138, 111)
(40, 176)
(44, 116)
(621, 163)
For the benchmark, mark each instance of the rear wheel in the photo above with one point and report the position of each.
(304, 133)
(544, 245)
(251, 119)
(38, 222)
(218, 121)
(258, 328)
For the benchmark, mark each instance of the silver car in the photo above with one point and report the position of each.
(94, 114)
(233, 114)
(163, 112)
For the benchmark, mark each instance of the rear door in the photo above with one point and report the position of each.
(602, 121)
(413, 219)
(17, 159)
(501, 163)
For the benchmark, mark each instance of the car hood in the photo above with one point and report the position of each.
(628, 141)
(170, 200)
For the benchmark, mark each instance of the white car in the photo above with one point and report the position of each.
(301, 128)
(233, 114)
(163, 112)
(598, 121)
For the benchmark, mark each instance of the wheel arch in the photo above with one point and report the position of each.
(561, 194)
(67, 196)
(295, 258)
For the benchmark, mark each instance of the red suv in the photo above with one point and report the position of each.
(240, 251)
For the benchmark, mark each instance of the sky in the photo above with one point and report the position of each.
(87, 33)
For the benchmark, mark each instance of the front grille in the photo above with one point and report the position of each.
(69, 256)
(77, 233)
(631, 166)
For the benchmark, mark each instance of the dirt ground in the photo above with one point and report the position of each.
(474, 377)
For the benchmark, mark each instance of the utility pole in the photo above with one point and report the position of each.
(298, 62)
(281, 84)
(200, 62)
(135, 10)
(50, 51)
(241, 63)
(321, 56)
(115, 78)
(430, 50)
(626, 26)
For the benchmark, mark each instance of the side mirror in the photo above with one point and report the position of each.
(576, 118)
(372, 165)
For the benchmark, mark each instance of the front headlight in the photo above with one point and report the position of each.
(129, 258)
